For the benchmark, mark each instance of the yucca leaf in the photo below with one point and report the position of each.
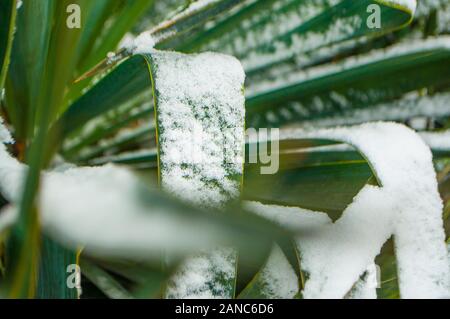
(196, 14)
(352, 84)
(24, 83)
(329, 187)
(123, 16)
(23, 244)
(52, 277)
(208, 121)
(389, 278)
(415, 105)
(7, 24)
(303, 97)
(128, 79)
(296, 28)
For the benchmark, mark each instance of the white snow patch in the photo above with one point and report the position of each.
(144, 43)
(201, 125)
(279, 278)
(407, 206)
(437, 140)
(202, 277)
(366, 287)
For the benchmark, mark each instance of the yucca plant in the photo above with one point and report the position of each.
(123, 141)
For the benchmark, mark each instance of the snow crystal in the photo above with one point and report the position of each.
(407, 206)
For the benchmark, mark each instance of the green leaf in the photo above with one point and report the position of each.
(128, 79)
(388, 267)
(122, 15)
(328, 187)
(52, 277)
(298, 30)
(353, 83)
(194, 15)
(28, 64)
(7, 23)
(23, 244)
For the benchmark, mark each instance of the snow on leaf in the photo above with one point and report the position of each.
(298, 29)
(279, 278)
(407, 206)
(200, 115)
(409, 106)
(365, 287)
(402, 49)
(200, 112)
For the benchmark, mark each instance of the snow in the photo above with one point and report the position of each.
(366, 287)
(407, 206)
(261, 39)
(114, 222)
(144, 43)
(120, 221)
(202, 277)
(294, 78)
(200, 114)
(409, 106)
(410, 5)
(437, 140)
(201, 125)
(279, 278)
